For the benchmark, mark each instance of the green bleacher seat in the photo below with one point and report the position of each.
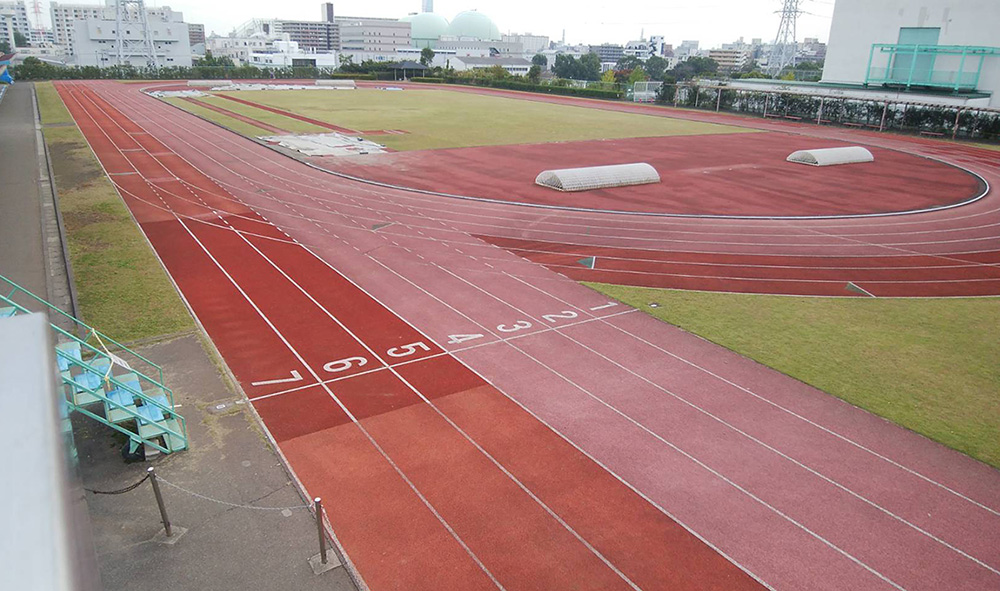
(124, 401)
(5, 312)
(66, 353)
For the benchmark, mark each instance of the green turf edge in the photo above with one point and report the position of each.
(122, 289)
(264, 116)
(230, 123)
(928, 364)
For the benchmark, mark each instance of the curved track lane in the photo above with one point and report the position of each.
(798, 489)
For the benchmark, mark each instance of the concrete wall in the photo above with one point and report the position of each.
(857, 24)
(94, 42)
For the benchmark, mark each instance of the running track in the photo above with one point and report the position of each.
(475, 421)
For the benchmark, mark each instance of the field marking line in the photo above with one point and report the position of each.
(884, 458)
(386, 365)
(684, 453)
(450, 422)
(769, 447)
(374, 443)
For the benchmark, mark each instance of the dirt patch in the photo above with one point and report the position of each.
(74, 168)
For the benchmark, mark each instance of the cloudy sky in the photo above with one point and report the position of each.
(712, 22)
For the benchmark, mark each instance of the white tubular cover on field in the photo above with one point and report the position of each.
(598, 177)
(831, 156)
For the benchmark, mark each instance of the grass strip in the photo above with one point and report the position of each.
(122, 289)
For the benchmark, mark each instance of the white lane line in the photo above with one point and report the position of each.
(768, 447)
(354, 420)
(876, 454)
(436, 355)
(448, 419)
(347, 411)
(677, 448)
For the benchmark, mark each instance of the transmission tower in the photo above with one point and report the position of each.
(133, 38)
(784, 49)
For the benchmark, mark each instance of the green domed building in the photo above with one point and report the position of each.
(426, 28)
(472, 24)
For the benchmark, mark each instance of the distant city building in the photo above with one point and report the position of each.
(730, 60)
(17, 13)
(94, 39)
(517, 66)
(7, 27)
(957, 47)
(608, 53)
(237, 49)
(686, 49)
(196, 34)
(41, 37)
(285, 53)
(63, 17)
(811, 50)
(378, 38)
(531, 44)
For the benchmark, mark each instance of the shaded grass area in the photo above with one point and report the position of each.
(122, 289)
(929, 365)
(445, 119)
(236, 125)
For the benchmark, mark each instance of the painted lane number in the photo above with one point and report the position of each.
(519, 325)
(565, 315)
(407, 350)
(345, 364)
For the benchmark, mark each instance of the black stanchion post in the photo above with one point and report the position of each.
(159, 500)
(319, 528)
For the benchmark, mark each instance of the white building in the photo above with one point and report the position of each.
(530, 44)
(237, 49)
(371, 37)
(94, 41)
(517, 66)
(7, 27)
(17, 14)
(65, 17)
(730, 60)
(287, 53)
(961, 38)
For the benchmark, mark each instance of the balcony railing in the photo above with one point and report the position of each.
(956, 67)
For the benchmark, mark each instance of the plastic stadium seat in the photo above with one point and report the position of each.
(5, 312)
(66, 352)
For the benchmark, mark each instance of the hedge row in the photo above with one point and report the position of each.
(525, 86)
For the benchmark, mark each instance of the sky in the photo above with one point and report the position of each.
(712, 22)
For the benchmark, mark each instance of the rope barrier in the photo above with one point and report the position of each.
(227, 503)
(119, 491)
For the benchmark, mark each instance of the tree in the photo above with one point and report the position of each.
(694, 67)
(656, 66)
(540, 60)
(590, 67)
(426, 56)
(535, 74)
(628, 62)
(4, 47)
(565, 66)
(608, 77)
(637, 75)
(20, 40)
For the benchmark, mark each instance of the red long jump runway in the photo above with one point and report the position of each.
(537, 404)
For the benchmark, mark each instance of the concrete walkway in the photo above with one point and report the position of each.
(22, 252)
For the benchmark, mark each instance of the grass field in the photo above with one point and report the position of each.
(232, 123)
(929, 365)
(122, 289)
(444, 119)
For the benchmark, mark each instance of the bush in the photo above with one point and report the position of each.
(428, 79)
(540, 88)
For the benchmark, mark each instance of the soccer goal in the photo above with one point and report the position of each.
(645, 92)
(598, 177)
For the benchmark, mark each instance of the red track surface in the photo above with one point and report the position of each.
(721, 175)
(538, 437)
(237, 116)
